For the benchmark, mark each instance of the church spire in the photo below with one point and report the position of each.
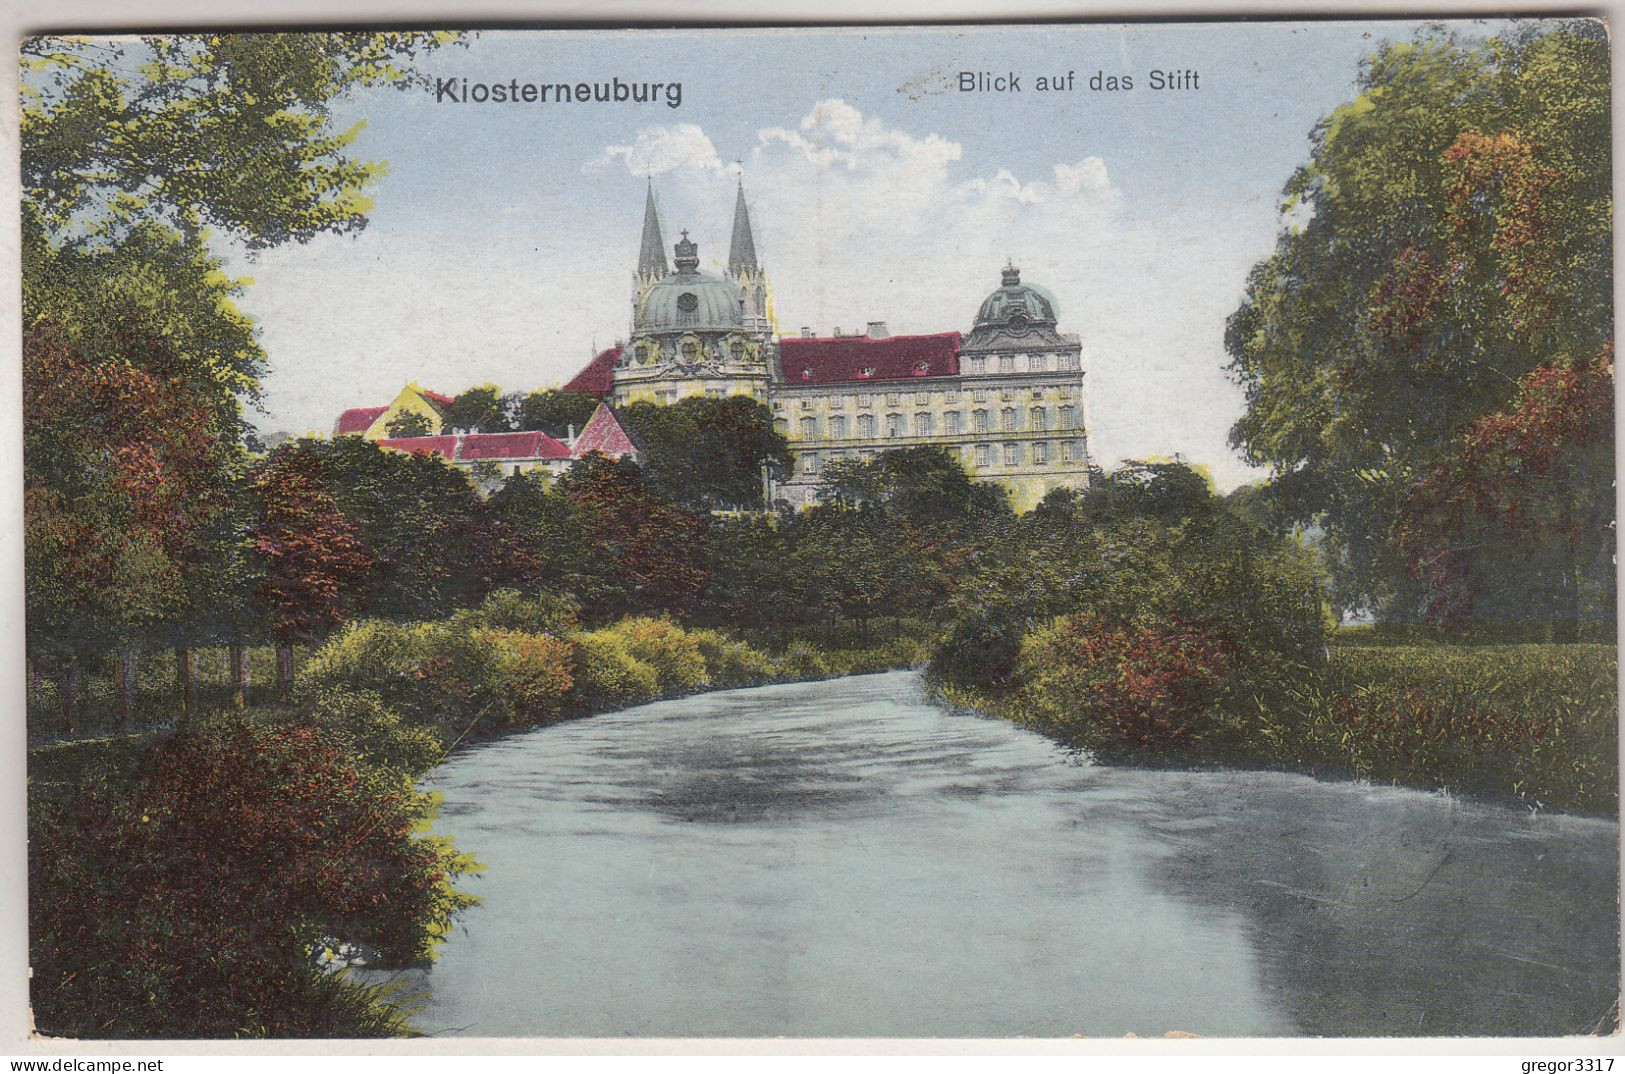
(742, 252)
(652, 257)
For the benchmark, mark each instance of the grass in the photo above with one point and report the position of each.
(1535, 721)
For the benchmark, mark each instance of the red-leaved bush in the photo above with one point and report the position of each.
(1119, 685)
(198, 900)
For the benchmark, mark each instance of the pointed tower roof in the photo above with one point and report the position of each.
(742, 251)
(652, 256)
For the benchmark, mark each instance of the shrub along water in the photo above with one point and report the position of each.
(203, 897)
(1146, 619)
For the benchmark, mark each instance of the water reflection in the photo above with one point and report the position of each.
(846, 858)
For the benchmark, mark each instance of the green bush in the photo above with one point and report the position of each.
(537, 669)
(896, 653)
(511, 610)
(434, 674)
(607, 674)
(378, 733)
(801, 661)
(729, 662)
(673, 652)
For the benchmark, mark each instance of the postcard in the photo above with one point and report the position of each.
(1031, 531)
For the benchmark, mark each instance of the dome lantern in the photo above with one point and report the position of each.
(688, 254)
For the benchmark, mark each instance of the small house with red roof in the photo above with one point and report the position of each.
(492, 458)
(415, 406)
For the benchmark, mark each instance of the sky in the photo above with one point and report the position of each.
(504, 236)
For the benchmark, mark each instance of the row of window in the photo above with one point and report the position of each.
(978, 455)
(1020, 363)
(925, 423)
(951, 398)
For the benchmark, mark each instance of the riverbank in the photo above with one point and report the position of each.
(1534, 724)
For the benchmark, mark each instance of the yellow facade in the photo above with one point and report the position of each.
(411, 400)
(1038, 446)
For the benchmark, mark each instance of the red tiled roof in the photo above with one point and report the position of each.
(597, 377)
(528, 445)
(478, 447)
(858, 358)
(444, 446)
(604, 433)
(358, 419)
(443, 401)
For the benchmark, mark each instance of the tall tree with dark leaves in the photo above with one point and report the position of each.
(1450, 234)
(652, 553)
(314, 565)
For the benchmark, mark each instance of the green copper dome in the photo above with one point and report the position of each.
(690, 300)
(1016, 304)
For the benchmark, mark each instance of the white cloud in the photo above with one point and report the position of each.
(657, 150)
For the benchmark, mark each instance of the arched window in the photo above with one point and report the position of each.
(809, 428)
(1035, 419)
(866, 426)
(979, 421)
(924, 425)
(1007, 419)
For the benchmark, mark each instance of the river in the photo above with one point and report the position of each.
(849, 858)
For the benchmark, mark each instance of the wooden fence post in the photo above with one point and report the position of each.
(125, 688)
(70, 693)
(238, 657)
(284, 673)
(185, 681)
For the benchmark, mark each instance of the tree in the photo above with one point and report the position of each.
(125, 471)
(751, 583)
(554, 412)
(315, 566)
(708, 454)
(925, 485)
(541, 541)
(408, 423)
(140, 156)
(847, 562)
(479, 410)
(194, 131)
(1453, 233)
(650, 553)
(422, 520)
(1527, 499)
